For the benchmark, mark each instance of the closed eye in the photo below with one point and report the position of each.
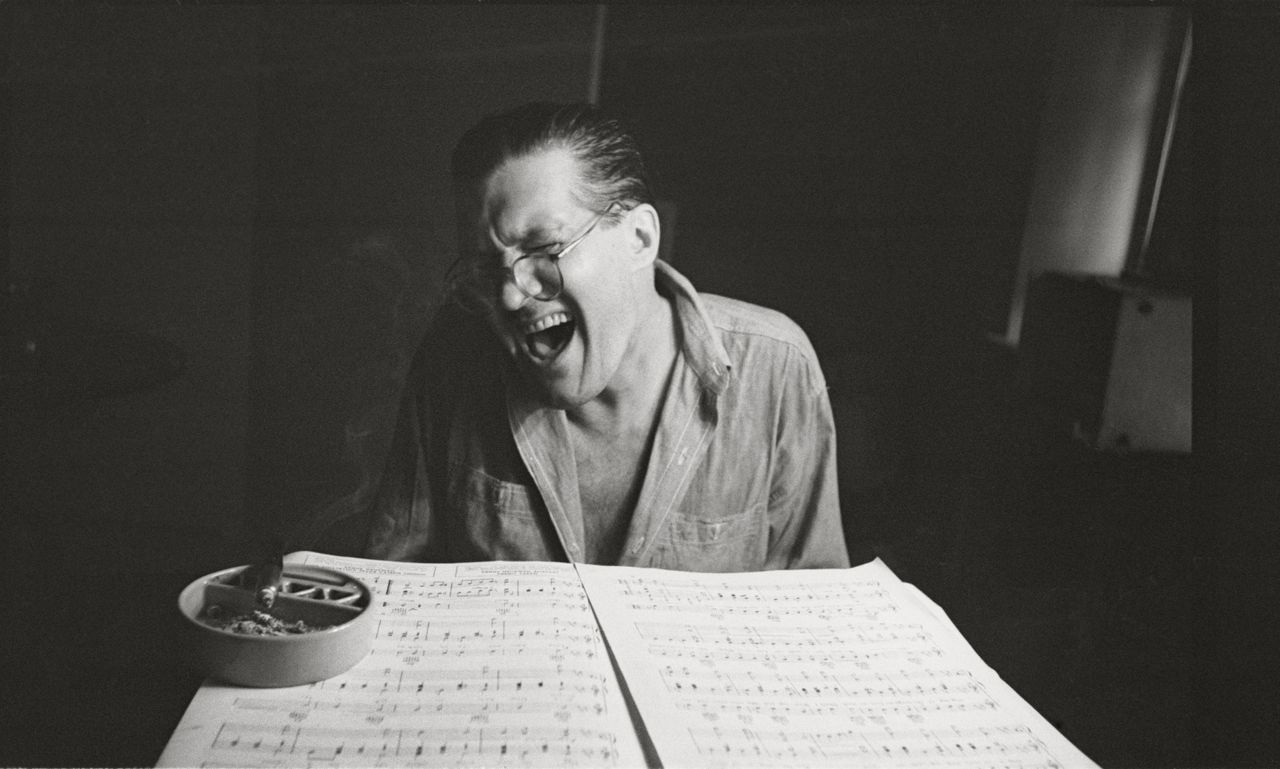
(550, 250)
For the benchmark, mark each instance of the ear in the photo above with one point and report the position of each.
(643, 231)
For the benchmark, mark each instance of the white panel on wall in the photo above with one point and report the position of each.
(1095, 136)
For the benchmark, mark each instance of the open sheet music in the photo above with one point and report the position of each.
(833, 668)
(506, 664)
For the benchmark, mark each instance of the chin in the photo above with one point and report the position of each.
(554, 393)
(558, 397)
(559, 403)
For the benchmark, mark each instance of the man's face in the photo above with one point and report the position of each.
(569, 348)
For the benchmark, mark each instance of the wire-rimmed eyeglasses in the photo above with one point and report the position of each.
(477, 286)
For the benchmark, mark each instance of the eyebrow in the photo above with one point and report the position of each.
(536, 236)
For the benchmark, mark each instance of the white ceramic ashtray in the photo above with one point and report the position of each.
(320, 623)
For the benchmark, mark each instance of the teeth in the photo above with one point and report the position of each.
(544, 323)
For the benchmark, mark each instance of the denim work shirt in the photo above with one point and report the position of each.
(741, 476)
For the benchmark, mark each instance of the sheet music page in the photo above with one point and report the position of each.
(481, 664)
(833, 667)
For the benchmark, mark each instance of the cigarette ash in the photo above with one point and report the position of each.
(254, 623)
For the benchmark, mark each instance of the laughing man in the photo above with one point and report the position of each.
(577, 399)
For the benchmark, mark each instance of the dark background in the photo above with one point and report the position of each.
(225, 225)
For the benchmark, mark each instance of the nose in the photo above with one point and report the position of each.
(510, 297)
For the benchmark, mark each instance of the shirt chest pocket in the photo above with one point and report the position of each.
(700, 541)
(499, 520)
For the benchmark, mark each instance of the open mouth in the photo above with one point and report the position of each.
(547, 337)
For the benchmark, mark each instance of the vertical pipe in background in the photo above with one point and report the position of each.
(597, 56)
(1137, 264)
(12, 349)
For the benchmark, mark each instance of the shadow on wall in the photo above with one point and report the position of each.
(328, 374)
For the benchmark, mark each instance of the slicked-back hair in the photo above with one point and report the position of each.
(610, 166)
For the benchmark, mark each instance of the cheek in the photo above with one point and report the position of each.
(605, 304)
(607, 312)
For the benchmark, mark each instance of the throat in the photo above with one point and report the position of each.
(611, 472)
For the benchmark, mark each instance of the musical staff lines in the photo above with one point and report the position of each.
(375, 711)
(1008, 746)
(781, 712)
(804, 685)
(455, 629)
(863, 656)
(732, 592)
(491, 681)
(791, 637)
(450, 746)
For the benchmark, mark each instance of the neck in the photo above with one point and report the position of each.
(632, 400)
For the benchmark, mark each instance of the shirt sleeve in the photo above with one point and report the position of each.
(805, 526)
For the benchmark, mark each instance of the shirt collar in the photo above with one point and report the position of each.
(703, 350)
